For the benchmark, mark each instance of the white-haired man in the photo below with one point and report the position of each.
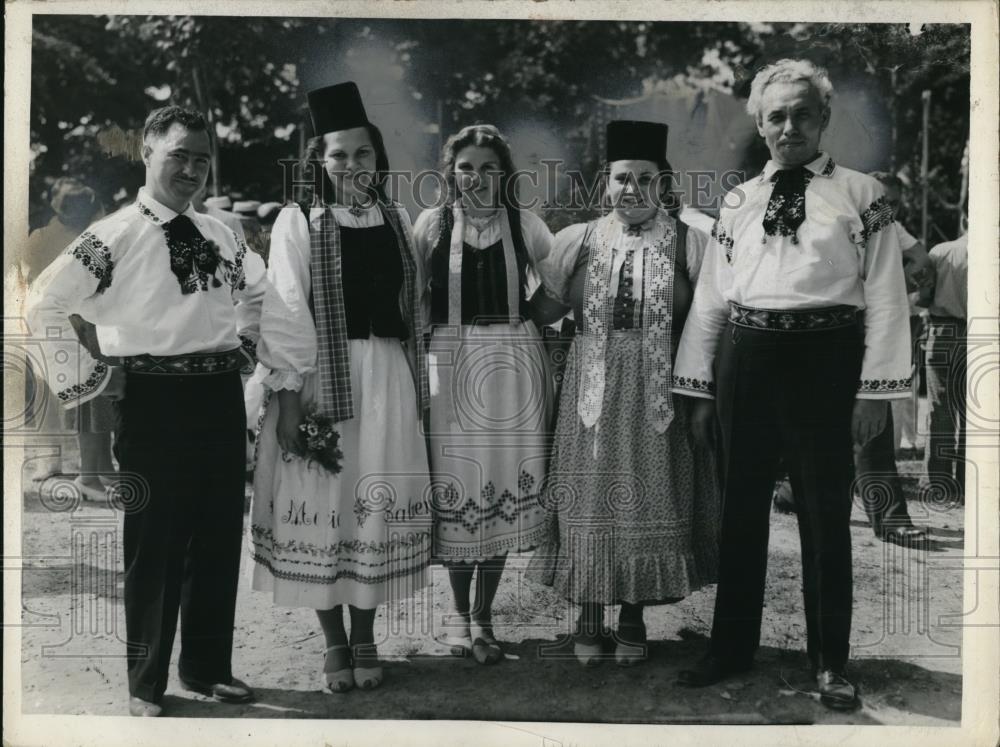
(175, 298)
(797, 336)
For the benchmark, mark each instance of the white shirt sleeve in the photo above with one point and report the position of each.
(697, 244)
(85, 266)
(885, 367)
(425, 235)
(693, 370)
(537, 237)
(288, 345)
(556, 269)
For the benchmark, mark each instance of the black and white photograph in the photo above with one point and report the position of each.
(538, 373)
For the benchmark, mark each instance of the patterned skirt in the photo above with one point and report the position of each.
(360, 537)
(490, 413)
(633, 515)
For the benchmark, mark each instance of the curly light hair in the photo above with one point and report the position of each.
(788, 71)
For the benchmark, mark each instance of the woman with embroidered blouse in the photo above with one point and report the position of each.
(340, 336)
(489, 384)
(633, 501)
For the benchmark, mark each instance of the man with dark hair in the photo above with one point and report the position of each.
(175, 298)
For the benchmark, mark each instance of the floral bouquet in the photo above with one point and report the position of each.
(321, 442)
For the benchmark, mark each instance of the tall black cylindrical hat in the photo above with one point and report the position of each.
(337, 107)
(631, 140)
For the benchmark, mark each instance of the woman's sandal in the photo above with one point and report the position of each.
(485, 648)
(366, 677)
(459, 641)
(341, 679)
(587, 651)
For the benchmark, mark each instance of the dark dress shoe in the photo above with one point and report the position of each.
(836, 692)
(709, 670)
(234, 691)
(140, 707)
(911, 536)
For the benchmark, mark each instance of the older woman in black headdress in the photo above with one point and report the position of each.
(633, 500)
(338, 333)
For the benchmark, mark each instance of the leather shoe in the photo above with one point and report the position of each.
(709, 670)
(233, 691)
(140, 707)
(836, 692)
(910, 536)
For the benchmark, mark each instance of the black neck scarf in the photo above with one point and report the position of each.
(786, 210)
(194, 259)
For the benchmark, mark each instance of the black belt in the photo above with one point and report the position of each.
(793, 320)
(190, 364)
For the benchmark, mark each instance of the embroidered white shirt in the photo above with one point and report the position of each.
(117, 275)
(847, 252)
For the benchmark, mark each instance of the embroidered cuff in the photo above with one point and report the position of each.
(249, 349)
(693, 387)
(283, 379)
(884, 388)
(86, 390)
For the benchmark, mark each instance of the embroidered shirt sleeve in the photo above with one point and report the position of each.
(287, 343)
(886, 365)
(82, 270)
(692, 374)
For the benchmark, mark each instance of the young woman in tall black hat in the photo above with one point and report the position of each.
(633, 502)
(339, 334)
(489, 384)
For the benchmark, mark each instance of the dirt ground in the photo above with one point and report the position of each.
(906, 656)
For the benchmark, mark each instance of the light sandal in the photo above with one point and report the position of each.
(340, 680)
(91, 494)
(458, 643)
(588, 654)
(366, 678)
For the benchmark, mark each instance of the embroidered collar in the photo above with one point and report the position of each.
(156, 212)
(821, 165)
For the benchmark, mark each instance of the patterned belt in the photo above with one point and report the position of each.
(793, 320)
(190, 364)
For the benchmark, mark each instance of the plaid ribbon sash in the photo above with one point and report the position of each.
(335, 397)
(656, 317)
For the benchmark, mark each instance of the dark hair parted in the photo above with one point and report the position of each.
(160, 120)
(315, 157)
(481, 136)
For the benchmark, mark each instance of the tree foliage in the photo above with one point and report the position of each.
(249, 76)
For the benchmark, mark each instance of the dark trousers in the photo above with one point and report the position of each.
(184, 436)
(786, 395)
(878, 481)
(944, 456)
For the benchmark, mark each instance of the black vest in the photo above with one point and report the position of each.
(484, 276)
(372, 272)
